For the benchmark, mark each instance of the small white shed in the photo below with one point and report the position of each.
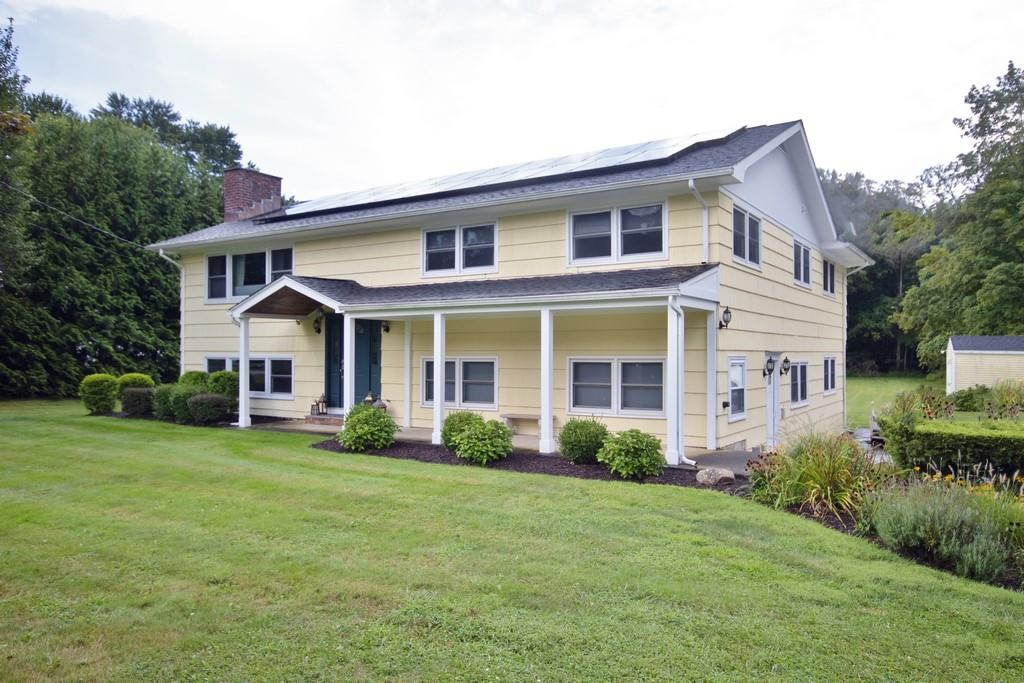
(972, 360)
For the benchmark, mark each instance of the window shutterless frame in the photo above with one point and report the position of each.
(276, 371)
(615, 364)
(798, 384)
(801, 264)
(635, 234)
(746, 237)
(468, 244)
(828, 277)
(219, 267)
(462, 379)
(830, 375)
(737, 388)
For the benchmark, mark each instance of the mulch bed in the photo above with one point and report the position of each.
(528, 461)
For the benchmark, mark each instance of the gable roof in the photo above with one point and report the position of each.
(1010, 343)
(651, 162)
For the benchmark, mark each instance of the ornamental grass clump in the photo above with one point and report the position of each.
(816, 472)
(632, 454)
(581, 439)
(99, 393)
(483, 442)
(367, 427)
(454, 424)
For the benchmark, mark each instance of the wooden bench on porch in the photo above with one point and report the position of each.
(511, 418)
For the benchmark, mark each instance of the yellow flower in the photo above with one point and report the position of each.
(917, 469)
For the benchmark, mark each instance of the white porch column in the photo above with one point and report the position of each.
(407, 374)
(673, 368)
(547, 443)
(435, 435)
(712, 377)
(243, 373)
(348, 361)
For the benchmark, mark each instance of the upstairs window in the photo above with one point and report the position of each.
(798, 384)
(246, 272)
(746, 237)
(459, 249)
(828, 277)
(801, 264)
(280, 263)
(217, 277)
(623, 234)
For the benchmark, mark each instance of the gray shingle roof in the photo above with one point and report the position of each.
(988, 343)
(706, 156)
(351, 293)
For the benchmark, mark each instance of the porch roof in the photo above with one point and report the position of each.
(296, 295)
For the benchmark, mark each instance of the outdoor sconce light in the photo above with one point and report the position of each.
(785, 366)
(317, 319)
(726, 319)
(385, 325)
(369, 398)
(769, 367)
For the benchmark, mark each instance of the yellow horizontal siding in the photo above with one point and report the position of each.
(987, 368)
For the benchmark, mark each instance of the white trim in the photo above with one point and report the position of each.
(825, 265)
(670, 379)
(616, 409)
(805, 401)
(805, 254)
(277, 285)
(459, 269)
(229, 297)
(826, 391)
(458, 402)
(741, 361)
(546, 442)
(740, 169)
(615, 226)
(988, 353)
(229, 362)
(712, 378)
(244, 420)
(439, 366)
(348, 362)
(407, 373)
(748, 212)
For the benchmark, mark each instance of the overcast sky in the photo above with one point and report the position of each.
(336, 96)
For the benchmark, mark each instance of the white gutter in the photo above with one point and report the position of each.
(680, 385)
(181, 307)
(697, 195)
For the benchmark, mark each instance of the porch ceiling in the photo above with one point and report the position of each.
(285, 302)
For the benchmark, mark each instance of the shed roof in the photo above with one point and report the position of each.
(1010, 343)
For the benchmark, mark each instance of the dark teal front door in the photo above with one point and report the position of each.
(367, 359)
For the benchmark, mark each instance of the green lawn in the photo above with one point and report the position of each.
(135, 550)
(862, 392)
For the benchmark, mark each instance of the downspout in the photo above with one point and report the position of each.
(681, 384)
(700, 199)
(181, 309)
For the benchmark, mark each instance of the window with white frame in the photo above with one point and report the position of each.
(238, 275)
(828, 277)
(617, 385)
(798, 383)
(467, 382)
(801, 263)
(629, 233)
(737, 387)
(271, 377)
(830, 374)
(459, 249)
(746, 237)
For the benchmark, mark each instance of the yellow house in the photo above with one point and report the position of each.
(984, 360)
(694, 288)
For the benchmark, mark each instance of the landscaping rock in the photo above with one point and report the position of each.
(712, 476)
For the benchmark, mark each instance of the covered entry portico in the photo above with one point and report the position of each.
(544, 305)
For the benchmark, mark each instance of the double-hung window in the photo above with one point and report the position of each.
(621, 234)
(830, 374)
(801, 263)
(828, 277)
(617, 386)
(737, 388)
(470, 382)
(746, 237)
(798, 384)
(269, 377)
(465, 248)
(238, 275)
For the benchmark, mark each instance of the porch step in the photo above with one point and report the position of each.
(332, 420)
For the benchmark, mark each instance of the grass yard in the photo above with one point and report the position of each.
(136, 550)
(861, 392)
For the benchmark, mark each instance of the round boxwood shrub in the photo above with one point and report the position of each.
(207, 409)
(137, 401)
(162, 408)
(194, 378)
(632, 455)
(581, 439)
(179, 401)
(367, 427)
(99, 393)
(133, 380)
(225, 383)
(453, 425)
(483, 442)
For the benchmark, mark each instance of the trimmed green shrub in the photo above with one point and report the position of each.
(162, 408)
(367, 427)
(816, 472)
(194, 378)
(976, 535)
(99, 393)
(225, 383)
(137, 401)
(944, 445)
(970, 400)
(207, 409)
(632, 454)
(453, 425)
(133, 380)
(581, 439)
(179, 401)
(483, 442)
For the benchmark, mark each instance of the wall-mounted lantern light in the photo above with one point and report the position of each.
(385, 325)
(318, 320)
(785, 366)
(726, 319)
(769, 366)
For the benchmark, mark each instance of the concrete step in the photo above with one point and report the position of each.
(332, 420)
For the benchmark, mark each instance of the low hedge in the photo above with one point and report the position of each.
(179, 401)
(134, 380)
(366, 428)
(99, 393)
(196, 378)
(225, 383)
(958, 444)
(137, 401)
(581, 439)
(162, 408)
(482, 442)
(207, 409)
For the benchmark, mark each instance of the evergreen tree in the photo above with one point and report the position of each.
(14, 125)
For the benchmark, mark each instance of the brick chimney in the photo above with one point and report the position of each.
(249, 193)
